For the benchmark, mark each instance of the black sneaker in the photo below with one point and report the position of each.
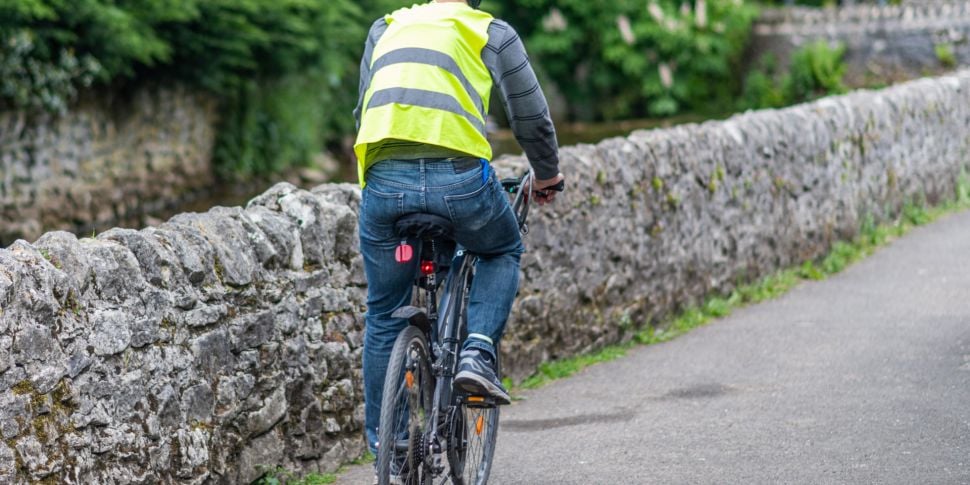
(476, 376)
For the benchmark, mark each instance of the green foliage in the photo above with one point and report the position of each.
(815, 70)
(31, 76)
(284, 71)
(944, 53)
(803, 3)
(559, 369)
(280, 476)
(761, 90)
(618, 59)
(282, 68)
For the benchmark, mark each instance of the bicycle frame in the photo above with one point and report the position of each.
(445, 349)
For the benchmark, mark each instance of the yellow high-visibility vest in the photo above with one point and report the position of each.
(428, 83)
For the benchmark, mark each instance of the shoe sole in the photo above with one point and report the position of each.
(477, 385)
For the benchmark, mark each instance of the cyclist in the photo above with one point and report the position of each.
(425, 81)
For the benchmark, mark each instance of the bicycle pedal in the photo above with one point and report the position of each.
(478, 401)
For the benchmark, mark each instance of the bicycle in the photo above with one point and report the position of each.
(425, 422)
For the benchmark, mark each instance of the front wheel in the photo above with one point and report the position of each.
(405, 410)
(475, 432)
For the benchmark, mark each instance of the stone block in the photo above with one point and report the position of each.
(111, 332)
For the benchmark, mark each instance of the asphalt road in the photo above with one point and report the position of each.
(861, 378)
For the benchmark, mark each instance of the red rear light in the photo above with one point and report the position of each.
(427, 267)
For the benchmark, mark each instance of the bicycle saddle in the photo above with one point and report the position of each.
(423, 226)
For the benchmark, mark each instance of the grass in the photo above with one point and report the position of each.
(280, 476)
(842, 254)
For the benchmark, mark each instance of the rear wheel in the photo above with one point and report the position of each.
(405, 410)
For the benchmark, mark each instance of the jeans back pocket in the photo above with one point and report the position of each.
(474, 209)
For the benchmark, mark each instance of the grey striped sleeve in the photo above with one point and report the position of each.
(525, 105)
(377, 29)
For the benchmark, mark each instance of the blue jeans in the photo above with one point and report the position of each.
(484, 225)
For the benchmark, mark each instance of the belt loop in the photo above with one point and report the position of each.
(423, 173)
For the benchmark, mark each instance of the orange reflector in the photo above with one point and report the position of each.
(476, 399)
(409, 378)
(479, 424)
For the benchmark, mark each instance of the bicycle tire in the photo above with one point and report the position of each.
(405, 410)
(476, 433)
(474, 429)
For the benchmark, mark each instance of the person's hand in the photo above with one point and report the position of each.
(543, 196)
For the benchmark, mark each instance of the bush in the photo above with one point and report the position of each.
(760, 88)
(618, 59)
(944, 53)
(26, 81)
(253, 54)
(815, 70)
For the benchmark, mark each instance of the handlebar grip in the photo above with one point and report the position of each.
(558, 187)
(511, 185)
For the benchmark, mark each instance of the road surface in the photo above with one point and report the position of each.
(861, 378)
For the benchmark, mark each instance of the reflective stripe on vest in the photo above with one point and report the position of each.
(427, 83)
(427, 56)
(426, 99)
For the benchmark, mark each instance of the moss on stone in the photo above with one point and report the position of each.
(23, 387)
(780, 183)
(37, 400)
(71, 303)
(201, 425)
(19, 466)
(61, 397)
(52, 479)
(39, 424)
(673, 201)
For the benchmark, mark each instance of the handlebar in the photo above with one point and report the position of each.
(523, 198)
(511, 185)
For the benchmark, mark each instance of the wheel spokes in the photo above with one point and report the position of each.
(477, 432)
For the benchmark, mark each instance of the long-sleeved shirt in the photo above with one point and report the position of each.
(513, 76)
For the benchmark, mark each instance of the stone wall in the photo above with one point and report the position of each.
(197, 350)
(111, 159)
(193, 351)
(884, 44)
